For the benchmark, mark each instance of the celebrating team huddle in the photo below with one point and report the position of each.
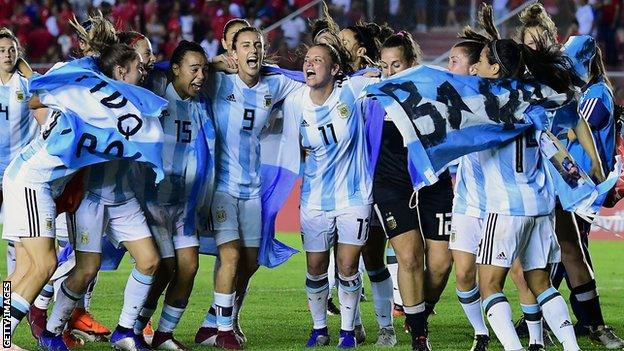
(111, 152)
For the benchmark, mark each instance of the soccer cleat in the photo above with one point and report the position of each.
(548, 341)
(481, 343)
(421, 344)
(124, 339)
(332, 309)
(141, 342)
(83, 321)
(347, 339)
(318, 337)
(49, 342)
(360, 334)
(71, 340)
(387, 337)
(238, 331)
(206, 336)
(406, 327)
(228, 340)
(605, 336)
(148, 332)
(165, 341)
(37, 319)
(536, 347)
(397, 311)
(521, 328)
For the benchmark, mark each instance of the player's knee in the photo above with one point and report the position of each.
(148, 264)
(466, 279)
(188, 269)
(517, 275)
(409, 263)
(347, 267)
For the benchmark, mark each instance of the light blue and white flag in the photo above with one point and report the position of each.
(100, 119)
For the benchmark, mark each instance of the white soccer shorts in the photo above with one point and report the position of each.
(319, 228)
(167, 225)
(122, 222)
(236, 219)
(466, 233)
(531, 238)
(29, 211)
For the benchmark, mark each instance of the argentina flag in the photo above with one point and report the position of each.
(99, 119)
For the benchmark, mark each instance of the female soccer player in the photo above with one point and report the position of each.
(187, 121)
(336, 189)
(467, 210)
(572, 231)
(32, 174)
(241, 104)
(519, 221)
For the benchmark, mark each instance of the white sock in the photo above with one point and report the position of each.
(393, 268)
(381, 285)
(317, 288)
(19, 308)
(137, 288)
(556, 313)
(533, 318)
(10, 258)
(169, 318)
(86, 300)
(470, 301)
(349, 291)
(498, 313)
(210, 321)
(144, 316)
(43, 299)
(66, 300)
(224, 304)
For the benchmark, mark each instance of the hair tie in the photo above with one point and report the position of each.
(402, 33)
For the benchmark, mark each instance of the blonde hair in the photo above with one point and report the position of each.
(99, 35)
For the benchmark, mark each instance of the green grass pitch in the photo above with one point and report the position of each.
(275, 316)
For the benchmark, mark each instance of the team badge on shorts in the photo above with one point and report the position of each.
(343, 110)
(48, 223)
(453, 235)
(392, 224)
(19, 96)
(84, 238)
(268, 100)
(221, 215)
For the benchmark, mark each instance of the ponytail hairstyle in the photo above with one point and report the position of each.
(473, 42)
(324, 24)
(535, 16)
(96, 32)
(597, 70)
(116, 55)
(130, 38)
(370, 36)
(411, 49)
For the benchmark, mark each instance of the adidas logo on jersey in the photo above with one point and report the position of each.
(304, 123)
(565, 323)
(231, 98)
(501, 256)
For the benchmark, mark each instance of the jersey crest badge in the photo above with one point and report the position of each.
(221, 215)
(49, 223)
(343, 110)
(19, 96)
(392, 224)
(268, 100)
(84, 238)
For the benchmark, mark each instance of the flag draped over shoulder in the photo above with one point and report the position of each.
(99, 119)
(443, 116)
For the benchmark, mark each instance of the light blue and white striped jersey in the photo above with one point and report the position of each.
(469, 196)
(35, 166)
(337, 171)
(109, 183)
(17, 125)
(516, 182)
(181, 122)
(241, 113)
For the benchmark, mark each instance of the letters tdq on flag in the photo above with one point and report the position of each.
(100, 119)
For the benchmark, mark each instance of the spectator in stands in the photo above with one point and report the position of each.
(584, 17)
(210, 44)
(421, 15)
(609, 15)
(155, 31)
(293, 29)
(186, 22)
